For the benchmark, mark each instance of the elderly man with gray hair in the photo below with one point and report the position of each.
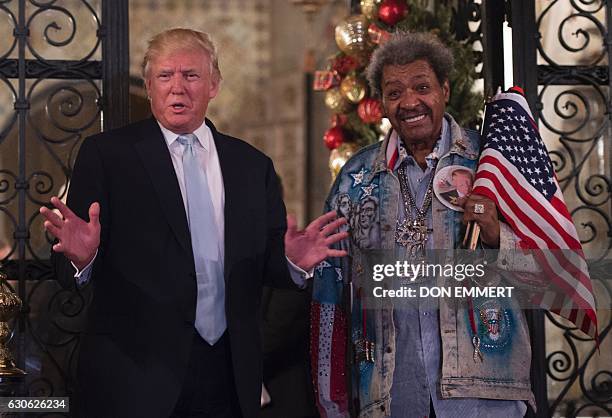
(421, 360)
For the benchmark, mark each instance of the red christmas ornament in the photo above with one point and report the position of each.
(338, 119)
(344, 64)
(325, 80)
(334, 137)
(378, 35)
(370, 110)
(392, 11)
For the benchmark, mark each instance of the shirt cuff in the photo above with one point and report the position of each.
(83, 276)
(298, 275)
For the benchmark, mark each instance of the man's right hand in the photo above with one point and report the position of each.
(78, 240)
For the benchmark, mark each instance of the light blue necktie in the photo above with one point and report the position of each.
(210, 309)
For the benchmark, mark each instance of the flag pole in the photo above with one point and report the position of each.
(472, 232)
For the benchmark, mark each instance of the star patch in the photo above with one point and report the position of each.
(358, 177)
(323, 264)
(367, 190)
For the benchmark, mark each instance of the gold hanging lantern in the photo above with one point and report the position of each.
(353, 88)
(352, 35)
(369, 8)
(336, 101)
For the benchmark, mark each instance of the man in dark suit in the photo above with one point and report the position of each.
(185, 224)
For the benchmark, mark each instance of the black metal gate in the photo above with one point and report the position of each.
(561, 52)
(63, 76)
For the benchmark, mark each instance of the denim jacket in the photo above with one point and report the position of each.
(350, 381)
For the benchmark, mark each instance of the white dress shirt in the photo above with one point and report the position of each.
(206, 152)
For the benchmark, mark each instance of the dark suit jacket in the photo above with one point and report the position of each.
(136, 349)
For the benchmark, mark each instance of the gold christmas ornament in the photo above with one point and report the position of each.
(339, 156)
(352, 35)
(369, 8)
(353, 88)
(336, 101)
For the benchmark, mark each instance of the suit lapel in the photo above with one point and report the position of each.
(153, 151)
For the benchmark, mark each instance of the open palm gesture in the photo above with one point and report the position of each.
(78, 240)
(310, 246)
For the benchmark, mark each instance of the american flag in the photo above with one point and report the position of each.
(516, 172)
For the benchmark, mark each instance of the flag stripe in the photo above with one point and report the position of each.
(564, 226)
(558, 268)
(537, 228)
(329, 401)
(338, 362)
(560, 276)
(315, 318)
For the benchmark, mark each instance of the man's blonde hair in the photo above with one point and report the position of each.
(181, 39)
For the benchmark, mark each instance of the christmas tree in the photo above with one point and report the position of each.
(357, 116)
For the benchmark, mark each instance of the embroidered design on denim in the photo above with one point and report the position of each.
(358, 176)
(495, 324)
(344, 207)
(367, 190)
(322, 265)
(364, 223)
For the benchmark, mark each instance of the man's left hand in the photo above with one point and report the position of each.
(488, 220)
(310, 246)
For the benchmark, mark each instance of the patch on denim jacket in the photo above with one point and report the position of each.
(326, 270)
(321, 266)
(364, 223)
(360, 181)
(343, 206)
(358, 176)
(495, 324)
(366, 191)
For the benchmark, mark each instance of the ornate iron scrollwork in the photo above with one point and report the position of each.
(467, 26)
(55, 104)
(574, 106)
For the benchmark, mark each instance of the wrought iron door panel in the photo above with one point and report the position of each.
(52, 76)
(568, 44)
